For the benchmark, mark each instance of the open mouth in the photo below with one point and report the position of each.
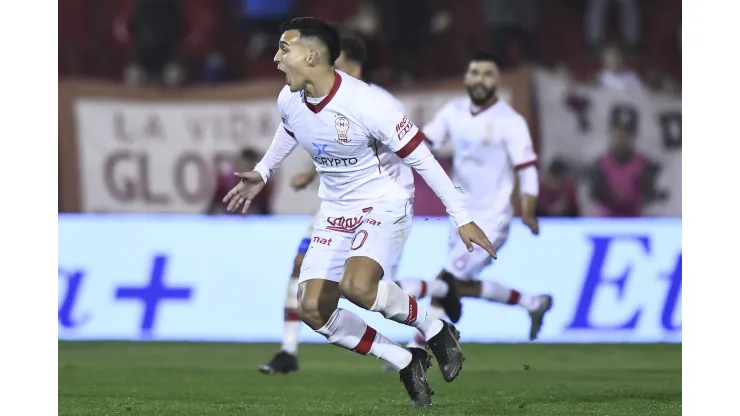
(287, 79)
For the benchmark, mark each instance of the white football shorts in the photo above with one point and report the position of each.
(465, 265)
(377, 230)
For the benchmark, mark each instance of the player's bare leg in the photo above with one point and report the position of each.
(286, 361)
(361, 284)
(318, 309)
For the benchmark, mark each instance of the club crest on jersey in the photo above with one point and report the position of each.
(342, 125)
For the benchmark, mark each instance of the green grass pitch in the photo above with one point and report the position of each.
(118, 378)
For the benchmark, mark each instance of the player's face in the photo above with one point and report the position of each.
(481, 81)
(293, 59)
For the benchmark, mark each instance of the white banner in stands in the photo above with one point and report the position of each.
(574, 126)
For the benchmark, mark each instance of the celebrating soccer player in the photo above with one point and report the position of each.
(492, 146)
(363, 149)
(351, 60)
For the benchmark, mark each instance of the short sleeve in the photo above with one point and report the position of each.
(437, 129)
(390, 126)
(518, 144)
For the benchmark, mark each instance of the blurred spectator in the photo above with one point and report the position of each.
(512, 25)
(558, 194)
(364, 21)
(623, 180)
(248, 159)
(614, 74)
(261, 19)
(407, 25)
(156, 27)
(596, 19)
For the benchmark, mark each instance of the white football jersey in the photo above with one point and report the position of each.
(390, 96)
(356, 138)
(489, 146)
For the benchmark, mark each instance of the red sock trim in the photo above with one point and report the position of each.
(413, 310)
(419, 339)
(366, 342)
(290, 314)
(514, 297)
(423, 289)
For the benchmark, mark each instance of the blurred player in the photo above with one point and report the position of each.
(351, 60)
(363, 149)
(491, 143)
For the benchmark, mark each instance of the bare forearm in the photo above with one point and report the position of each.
(529, 205)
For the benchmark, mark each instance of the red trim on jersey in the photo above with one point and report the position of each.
(366, 342)
(411, 145)
(332, 92)
(484, 108)
(526, 165)
(289, 132)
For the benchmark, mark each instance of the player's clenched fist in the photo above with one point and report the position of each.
(243, 193)
(471, 233)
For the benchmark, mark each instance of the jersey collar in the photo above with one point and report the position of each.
(474, 112)
(323, 103)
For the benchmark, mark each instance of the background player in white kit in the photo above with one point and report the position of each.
(351, 61)
(363, 149)
(491, 143)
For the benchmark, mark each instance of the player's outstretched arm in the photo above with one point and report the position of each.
(251, 183)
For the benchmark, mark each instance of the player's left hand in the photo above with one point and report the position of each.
(470, 233)
(532, 223)
(249, 186)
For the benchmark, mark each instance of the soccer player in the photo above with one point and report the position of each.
(351, 61)
(491, 145)
(363, 149)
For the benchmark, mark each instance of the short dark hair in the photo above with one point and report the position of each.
(354, 48)
(483, 56)
(326, 32)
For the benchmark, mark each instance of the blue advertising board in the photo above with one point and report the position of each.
(199, 278)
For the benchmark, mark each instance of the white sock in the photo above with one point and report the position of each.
(413, 287)
(397, 306)
(349, 331)
(496, 292)
(434, 312)
(419, 288)
(291, 320)
(438, 289)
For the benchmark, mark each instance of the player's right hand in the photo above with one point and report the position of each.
(532, 223)
(471, 233)
(243, 193)
(302, 180)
